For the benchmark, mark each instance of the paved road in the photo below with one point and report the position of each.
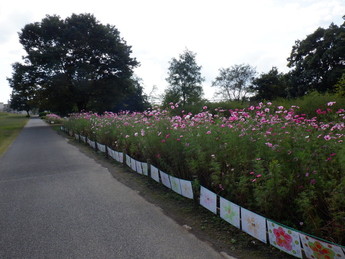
(55, 202)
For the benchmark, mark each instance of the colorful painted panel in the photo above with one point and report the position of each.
(230, 212)
(186, 189)
(254, 225)
(154, 173)
(92, 143)
(138, 166)
(284, 239)
(83, 139)
(128, 160)
(145, 168)
(101, 147)
(175, 184)
(133, 164)
(120, 157)
(111, 153)
(165, 179)
(316, 249)
(208, 199)
(116, 155)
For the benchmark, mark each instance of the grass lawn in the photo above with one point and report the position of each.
(10, 126)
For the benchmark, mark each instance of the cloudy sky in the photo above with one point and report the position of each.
(221, 32)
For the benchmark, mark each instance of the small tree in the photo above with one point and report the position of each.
(234, 83)
(185, 80)
(271, 85)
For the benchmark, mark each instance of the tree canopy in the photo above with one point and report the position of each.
(234, 83)
(318, 61)
(23, 94)
(270, 85)
(76, 64)
(184, 77)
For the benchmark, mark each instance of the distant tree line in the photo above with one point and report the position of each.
(80, 64)
(316, 63)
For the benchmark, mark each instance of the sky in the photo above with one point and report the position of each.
(222, 33)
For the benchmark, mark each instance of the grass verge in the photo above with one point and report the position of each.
(10, 126)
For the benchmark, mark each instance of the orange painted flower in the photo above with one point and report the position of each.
(321, 252)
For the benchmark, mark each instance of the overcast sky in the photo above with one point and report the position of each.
(222, 33)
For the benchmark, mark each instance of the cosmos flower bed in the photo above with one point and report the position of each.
(271, 160)
(53, 118)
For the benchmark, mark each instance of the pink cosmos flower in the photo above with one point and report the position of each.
(269, 144)
(331, 103)
(327, 137)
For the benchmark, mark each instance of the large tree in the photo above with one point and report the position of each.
(318, 61)
(271, 85)
(234, 83)
(184, 77)
(23, 97)
(78, 63)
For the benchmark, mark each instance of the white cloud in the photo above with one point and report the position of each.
(221, 32)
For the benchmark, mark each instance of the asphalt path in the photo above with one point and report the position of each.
(55, 202)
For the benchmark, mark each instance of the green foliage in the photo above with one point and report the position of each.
(317, 62)
(315, 102)
(274, 160)
(270, 86)
(43, 114)
(185, 80)
(234, 83)
(340, 86)
(75, 64)
(23, 88)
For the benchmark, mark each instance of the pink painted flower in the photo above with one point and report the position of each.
(208, 132)
(282, 238)
(331, 103)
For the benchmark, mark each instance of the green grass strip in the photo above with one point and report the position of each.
(10, 126)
